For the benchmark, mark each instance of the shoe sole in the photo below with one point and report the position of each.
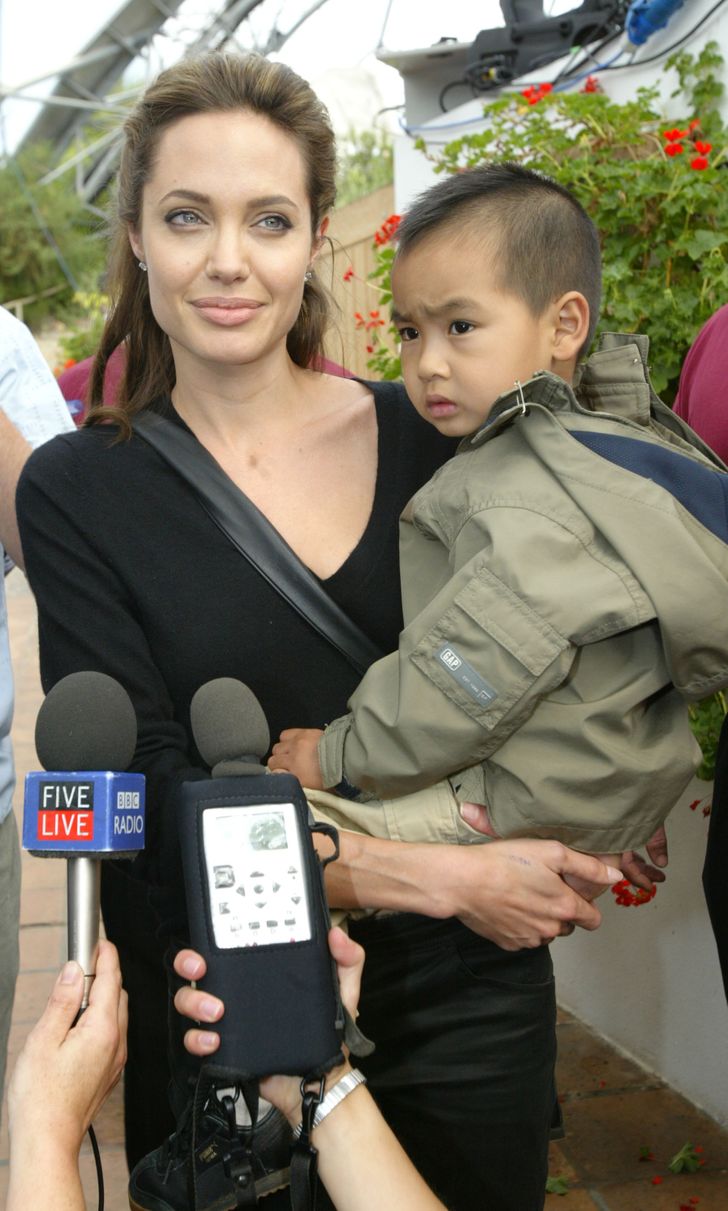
(269, 1184)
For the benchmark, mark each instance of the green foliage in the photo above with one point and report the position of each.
(557, 1185)
(84, 337)
(663, 223)
(687, 1160)
(365, 164)
(28, 263)
(706, 720)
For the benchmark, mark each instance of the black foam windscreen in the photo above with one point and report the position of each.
(87, 722)
(228, 722)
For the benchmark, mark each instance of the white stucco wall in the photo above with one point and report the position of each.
(649, 980)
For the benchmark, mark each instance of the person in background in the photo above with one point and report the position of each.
(702, 400)
(31, 410)
(702, 394)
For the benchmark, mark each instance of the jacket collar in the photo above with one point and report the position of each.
(613, 380)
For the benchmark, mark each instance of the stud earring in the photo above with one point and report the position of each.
(308, 275)
(143, 266)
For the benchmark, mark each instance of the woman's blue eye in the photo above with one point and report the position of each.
(275, 222)
(460, 327)
(183, 218)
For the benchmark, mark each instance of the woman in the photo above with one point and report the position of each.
(226, 179)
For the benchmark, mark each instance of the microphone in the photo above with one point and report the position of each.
(81, 808)
(229, 727)
(255, 896)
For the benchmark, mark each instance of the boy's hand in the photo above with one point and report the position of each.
(297, 753)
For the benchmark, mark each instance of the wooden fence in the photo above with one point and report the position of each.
(352, 235)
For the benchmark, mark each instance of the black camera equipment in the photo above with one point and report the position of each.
(530, 40)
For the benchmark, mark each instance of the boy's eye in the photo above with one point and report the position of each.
(183, 218)
(460, 327)
(408, 334)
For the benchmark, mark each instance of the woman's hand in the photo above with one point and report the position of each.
(282, 1091)
(65, 1072)
(296, 752)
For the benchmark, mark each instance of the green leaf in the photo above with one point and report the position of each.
(556, 1185)
(704, 241)
(685, 1161)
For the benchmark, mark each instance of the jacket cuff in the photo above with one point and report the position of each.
(331, 751)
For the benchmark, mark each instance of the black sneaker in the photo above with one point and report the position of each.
(230, 1168)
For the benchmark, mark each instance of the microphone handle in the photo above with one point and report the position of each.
(83, 892)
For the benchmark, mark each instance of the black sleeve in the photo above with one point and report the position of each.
(87, 621)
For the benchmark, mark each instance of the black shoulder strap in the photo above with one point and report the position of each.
(255, 538)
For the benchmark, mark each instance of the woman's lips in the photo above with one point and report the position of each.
(227, 312)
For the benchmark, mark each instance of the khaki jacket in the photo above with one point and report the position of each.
(564, 583)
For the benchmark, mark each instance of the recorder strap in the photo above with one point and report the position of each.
(304, 1158)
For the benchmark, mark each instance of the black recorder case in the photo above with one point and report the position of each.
(283, 1011)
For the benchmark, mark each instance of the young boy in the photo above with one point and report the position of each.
(563, 576)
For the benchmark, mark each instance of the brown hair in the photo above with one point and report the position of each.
(543, 240)
(209, 83)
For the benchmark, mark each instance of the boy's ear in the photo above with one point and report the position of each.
(571, 326)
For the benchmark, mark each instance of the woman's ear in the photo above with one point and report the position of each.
(136, 244)
(571, 326)
(319, 239)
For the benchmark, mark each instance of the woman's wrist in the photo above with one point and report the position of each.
(331, 1079)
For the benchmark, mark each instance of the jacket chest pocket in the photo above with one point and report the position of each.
(492, 655)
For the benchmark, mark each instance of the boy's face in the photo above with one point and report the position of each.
(464, 340)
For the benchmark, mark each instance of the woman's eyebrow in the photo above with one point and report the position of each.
(191, 195)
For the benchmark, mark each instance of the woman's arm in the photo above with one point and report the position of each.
(361, 1163)
(63, 1076)
(511, 892)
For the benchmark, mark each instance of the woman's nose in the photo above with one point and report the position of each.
(228, 257)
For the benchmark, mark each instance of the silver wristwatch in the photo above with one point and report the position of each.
(335, 1095)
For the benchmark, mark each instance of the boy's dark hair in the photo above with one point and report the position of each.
(545, 243)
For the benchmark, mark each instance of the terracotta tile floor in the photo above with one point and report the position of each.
(612, 1107)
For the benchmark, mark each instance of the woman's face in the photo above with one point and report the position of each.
(226, 235)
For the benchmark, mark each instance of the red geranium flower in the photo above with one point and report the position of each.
(699, 163)
(349, 274)
(674, 149)
(626, 897)
(673, 135)
(703, 148)
(387, 230)
(657, 1180)
(536, 92)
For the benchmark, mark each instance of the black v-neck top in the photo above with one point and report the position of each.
(133, 579)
